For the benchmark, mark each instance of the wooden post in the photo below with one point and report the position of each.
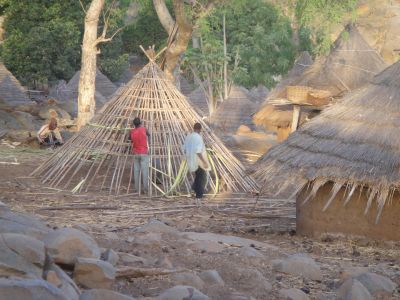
(225, 62)
(296, 117)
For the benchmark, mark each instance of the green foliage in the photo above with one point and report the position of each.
(43, 40)
(146, 30)
(319, 17)
(259, 41)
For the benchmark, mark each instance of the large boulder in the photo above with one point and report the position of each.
(292, 294)
(60, 279)
(94, 273)
(352, 289)
(65, 245)
(182, 292)
(155, 226)
(102, 294)
(12, 263)
(187, 278)
(299, 264)
(377, 284)
(28, 247)
(13, 222)
(31, 289)
(212, 277)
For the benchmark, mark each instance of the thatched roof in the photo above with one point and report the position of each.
(103, 85)
(351, 64)
(234, 111)
(354, 143)
(198, 99)
(11, 91)
(99, 155)
(302, 63)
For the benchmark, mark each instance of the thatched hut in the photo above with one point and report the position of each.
(344, 165)
(103, 85)
(234, 111)
(198, 99)
(11, 91)
(351, 63)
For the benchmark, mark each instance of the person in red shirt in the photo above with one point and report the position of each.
(140, 150)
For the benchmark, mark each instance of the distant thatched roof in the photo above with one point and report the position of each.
(351, 64)
(198, 99)
(234, 111)
(11, 91)
(300, 65)
(103, 85)
(354, 143)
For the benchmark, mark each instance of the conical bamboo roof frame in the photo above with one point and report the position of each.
(99, 156)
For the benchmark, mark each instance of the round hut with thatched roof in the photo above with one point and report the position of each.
(234, 111)
(350, 64)
(11, 91)
(344, 165)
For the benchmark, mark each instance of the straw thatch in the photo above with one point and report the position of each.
(270, 116)
(99, 156)
(354, 143)
(234, 111)
(350, 64)
(302, 63)
(103, 85)
(198, 99)
(11, 91)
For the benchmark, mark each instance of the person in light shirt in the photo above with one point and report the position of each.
(196, 157)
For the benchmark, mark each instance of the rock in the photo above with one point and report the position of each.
(250, 252)
(226, 239)
(52, 277)
(65, 245)
(111, 235)
(12, 263)
(66, 284)
(375, 283)
(29, 289)
(212, 277)
(350, 272)
(102, 294)
(237, 296)
(299, 264)
(152, 239)
(181, 292)
(94, 273)
(164, 262)
(189, 279)
(28, 247)
(110, 256)
(292, 294)
(255, 281)
(352, 289)
(13, 222)
(155, 226)
(207, 246)
(127, 258)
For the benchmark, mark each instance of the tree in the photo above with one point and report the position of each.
(180, 30)
(259, 42)
(90, 50)
(42, 39)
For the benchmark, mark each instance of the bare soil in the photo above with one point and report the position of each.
(101, 214)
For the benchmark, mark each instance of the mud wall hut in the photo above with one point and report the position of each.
(344, 165)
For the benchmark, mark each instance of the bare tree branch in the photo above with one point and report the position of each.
(83, 7)
(103, 39)
(164, 15)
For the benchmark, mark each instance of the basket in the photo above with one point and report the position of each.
(319, 97)
(297, 94)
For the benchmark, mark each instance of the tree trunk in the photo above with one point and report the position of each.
(86, 100)
(163, 15)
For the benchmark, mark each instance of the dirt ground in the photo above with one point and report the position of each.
(113, 220)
